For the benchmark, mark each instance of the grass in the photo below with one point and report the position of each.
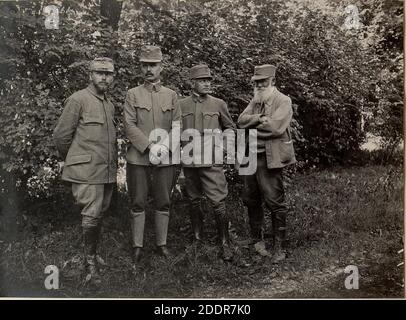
(338, 217)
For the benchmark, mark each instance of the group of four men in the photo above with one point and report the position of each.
(85, 137)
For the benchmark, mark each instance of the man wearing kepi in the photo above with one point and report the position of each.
(85, 137)
(270, 113)
(203, 112)
(148, 107)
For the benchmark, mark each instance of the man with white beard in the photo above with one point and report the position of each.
(270, 113)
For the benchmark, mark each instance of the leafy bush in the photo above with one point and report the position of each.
(323, 67)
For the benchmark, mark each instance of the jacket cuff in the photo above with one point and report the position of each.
(142, 146)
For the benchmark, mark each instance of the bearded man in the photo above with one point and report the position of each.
(270, 113)
(85, 137)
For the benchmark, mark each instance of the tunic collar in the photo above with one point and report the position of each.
(93, 91)
(198, 98)
(153, 86)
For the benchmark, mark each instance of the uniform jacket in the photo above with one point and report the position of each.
(86, 137)
(202, 113)
(148, 107)
(275, 132)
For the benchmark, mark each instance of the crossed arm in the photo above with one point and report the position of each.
(268, 126)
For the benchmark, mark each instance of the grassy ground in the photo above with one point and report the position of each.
(338, 217)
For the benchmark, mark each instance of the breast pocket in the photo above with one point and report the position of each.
(167, 114)
(143, 114)
(187, 120)
(93, 126)
(211, 120)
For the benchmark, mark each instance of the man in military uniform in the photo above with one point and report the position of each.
(201, 111)
(85, 137)
(147, 107)
(270, 113)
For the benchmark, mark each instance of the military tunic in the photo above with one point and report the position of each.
(148, 107)
(200, 113)
(86, 137)
(205, 113)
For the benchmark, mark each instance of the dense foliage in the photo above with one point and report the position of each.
(334, 75)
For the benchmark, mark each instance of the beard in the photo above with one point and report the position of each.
(101, 87)
(260, 96)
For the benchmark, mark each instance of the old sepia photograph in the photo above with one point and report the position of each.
(202, 149)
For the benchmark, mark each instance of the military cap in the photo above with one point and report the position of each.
(102, 64)
(200, 71)
(263, 72)
(150, 54)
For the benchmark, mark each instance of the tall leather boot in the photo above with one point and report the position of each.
(196, 218)
(279, 223)
(273, 229)
(161, 232)
(256, 220)
(99, 260)
(137, 233)
(90, 239)
(223, 232)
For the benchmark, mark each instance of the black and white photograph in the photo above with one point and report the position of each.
(202, 149)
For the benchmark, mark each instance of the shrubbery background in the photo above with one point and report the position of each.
(346, 203)
(343, 82)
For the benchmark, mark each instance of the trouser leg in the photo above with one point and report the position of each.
(214, 185)
(253, 200)
(91, 198)
(163, 182)
(107, 195)
(256, 221)
(274, 194)
(271, 182)
(138, 186)
(194, 194)
(137, 183)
